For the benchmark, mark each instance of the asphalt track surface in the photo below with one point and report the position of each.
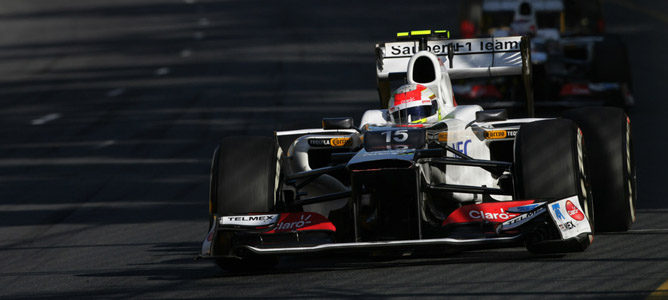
(110, 110)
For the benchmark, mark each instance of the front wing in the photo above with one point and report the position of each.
(513, 223)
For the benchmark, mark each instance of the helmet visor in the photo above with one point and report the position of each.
(413, 114)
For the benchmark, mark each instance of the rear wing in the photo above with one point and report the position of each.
(511, 5)
(463, 58)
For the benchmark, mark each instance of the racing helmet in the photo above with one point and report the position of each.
(413, 104)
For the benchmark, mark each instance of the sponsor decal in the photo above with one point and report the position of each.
(319, 142)
(512, 133)
(330, 142)
(521, 219)
(525, 208)
(574, 212)
(500, 134)
(573, 225)
(339, 142)
(409, 49)
(557, 211)
(498, 45)
(302, 221)
(462, 146)
(566, 226)
(402, 49)
(442, 136)
(479, 214)
(495, 134)
(484, 212)
(249, 220)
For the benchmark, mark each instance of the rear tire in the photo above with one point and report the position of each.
(550, 165)
(244, 179)
(612, 173)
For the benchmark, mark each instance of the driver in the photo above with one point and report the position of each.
(414, 104)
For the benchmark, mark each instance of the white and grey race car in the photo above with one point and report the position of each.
(473, 179)
(575, 61)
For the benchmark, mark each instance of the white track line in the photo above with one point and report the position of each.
(115, 92)
(162, 71)
(203, 22)
(198, 35)
(186, 53)
(657, 230)
(45, 119)
(106, 143)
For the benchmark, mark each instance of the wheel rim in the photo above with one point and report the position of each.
(277, 176)
(629, 172)
(583, 184)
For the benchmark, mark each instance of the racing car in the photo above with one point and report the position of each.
(575, 62)
(424, 174)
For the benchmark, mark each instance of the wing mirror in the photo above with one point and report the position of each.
(338, 123)
(491, 115)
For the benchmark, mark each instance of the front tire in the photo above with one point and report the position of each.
(550, 165)
(244, 179)
(613, 172)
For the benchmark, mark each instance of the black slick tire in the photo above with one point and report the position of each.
(613, 173)
(244, 179)
(550, 165)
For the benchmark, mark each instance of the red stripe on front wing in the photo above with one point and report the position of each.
(302, 221)
(490, 212)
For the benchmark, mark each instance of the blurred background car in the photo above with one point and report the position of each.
(575, 62)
